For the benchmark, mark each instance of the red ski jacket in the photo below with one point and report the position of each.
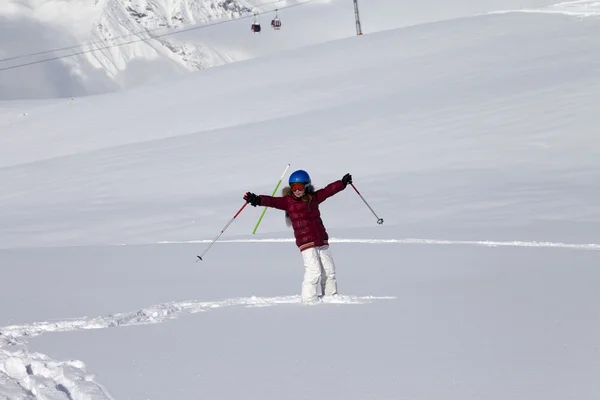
(304, 213)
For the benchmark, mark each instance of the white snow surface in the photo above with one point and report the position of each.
(471, 130)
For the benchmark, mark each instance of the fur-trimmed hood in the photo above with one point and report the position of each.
(287, 191)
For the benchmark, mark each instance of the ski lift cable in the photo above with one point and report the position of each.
(146, 31)
(131, 41)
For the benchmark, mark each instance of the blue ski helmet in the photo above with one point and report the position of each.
(299, 176)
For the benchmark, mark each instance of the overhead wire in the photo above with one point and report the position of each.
(148, 32)
(114, 38)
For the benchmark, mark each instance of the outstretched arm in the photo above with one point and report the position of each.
(266, 201)
(333, 188)
(274, 202)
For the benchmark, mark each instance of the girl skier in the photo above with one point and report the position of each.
(301, 203)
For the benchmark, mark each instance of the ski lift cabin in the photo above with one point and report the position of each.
(255, 25)
(276, 22)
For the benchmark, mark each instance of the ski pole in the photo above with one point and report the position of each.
(274, 191)
(379, 220)
(223, 230)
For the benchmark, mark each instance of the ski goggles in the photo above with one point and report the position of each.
(298, 187)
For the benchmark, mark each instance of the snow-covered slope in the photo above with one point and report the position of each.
(397, 102)
(128, 43)
(474, 138)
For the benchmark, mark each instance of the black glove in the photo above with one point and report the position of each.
(253, 199)
(347, 179)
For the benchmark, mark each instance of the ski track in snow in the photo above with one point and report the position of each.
(487, 243)
(158, 314)
(27, 375)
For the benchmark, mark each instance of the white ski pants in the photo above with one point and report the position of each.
(318, 266)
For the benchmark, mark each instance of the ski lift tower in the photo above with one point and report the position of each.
(357, 18)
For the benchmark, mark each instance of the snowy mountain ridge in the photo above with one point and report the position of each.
(106, 44)
(127, 20)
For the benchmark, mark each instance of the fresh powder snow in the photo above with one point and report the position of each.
(468, 126)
